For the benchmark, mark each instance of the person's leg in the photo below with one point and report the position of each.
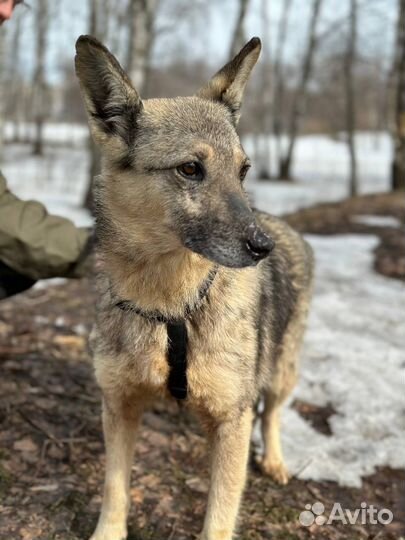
(11, 282)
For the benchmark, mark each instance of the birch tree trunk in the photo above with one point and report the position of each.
(39, 83)
(2, 88)
(238, 37)
(278, 87)
(14, 96)
(141, 14)
(398, 166)
(266, 97)
(349, 66)
(301, 93)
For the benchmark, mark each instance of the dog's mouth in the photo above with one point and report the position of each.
(236, 254)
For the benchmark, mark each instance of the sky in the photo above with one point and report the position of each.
(203, 29)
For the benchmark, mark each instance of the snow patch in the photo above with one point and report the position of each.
(377, 221)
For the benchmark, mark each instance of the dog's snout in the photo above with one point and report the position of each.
(258, 243)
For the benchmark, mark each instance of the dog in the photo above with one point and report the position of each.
(201, 298)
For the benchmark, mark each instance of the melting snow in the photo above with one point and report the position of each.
(377, 221)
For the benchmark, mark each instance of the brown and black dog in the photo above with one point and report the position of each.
(201, 298)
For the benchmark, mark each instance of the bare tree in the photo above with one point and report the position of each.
(264, 100)
(238, 37)
(398, 166)
(301, 92)
(2, 87)
(39, 82)
(13, 76)
(349, 66)
(278, 74)
(142, 16)
(117, 21)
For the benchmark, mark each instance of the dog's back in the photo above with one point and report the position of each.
(286, 277)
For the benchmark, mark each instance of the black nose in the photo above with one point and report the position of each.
(258, 243)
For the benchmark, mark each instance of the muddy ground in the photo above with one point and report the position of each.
(51, 449)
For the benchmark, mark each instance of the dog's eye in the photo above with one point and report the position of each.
(243, 171)
(191, 170)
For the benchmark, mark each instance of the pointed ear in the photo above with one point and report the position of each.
(112, 103)
(228, 85)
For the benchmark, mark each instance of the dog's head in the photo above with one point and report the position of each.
(173, 169)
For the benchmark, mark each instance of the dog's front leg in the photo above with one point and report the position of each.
(119, 423)
(230, 453)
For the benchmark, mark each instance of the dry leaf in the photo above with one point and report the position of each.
(25, 445)
(70, 341)
(149, 480)
(137, 495)
(46, 487)
(30, 534)
(198, 485)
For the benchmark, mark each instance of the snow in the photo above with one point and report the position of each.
(353, 359)
(60, 133)
(58, 180)
(321, 171)
(377, 221)
(353, 355)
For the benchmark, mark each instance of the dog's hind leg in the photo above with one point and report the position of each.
(120, 421)
(284, 377)
(272, 462)
(230, 452)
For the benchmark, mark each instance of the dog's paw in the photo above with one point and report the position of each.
(110, 532)
(276, 470)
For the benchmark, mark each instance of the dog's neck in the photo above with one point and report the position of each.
(166, 284)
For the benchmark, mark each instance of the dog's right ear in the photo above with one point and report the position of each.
(111, 101)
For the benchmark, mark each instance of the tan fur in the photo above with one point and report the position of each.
(159, 238)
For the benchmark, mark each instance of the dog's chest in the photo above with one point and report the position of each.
(217, 365)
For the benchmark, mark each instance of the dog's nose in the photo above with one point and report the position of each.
(258, 243)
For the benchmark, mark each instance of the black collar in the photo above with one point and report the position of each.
(157, 316)
(177, 336)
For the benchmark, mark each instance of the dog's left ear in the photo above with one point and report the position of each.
(228, 85)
